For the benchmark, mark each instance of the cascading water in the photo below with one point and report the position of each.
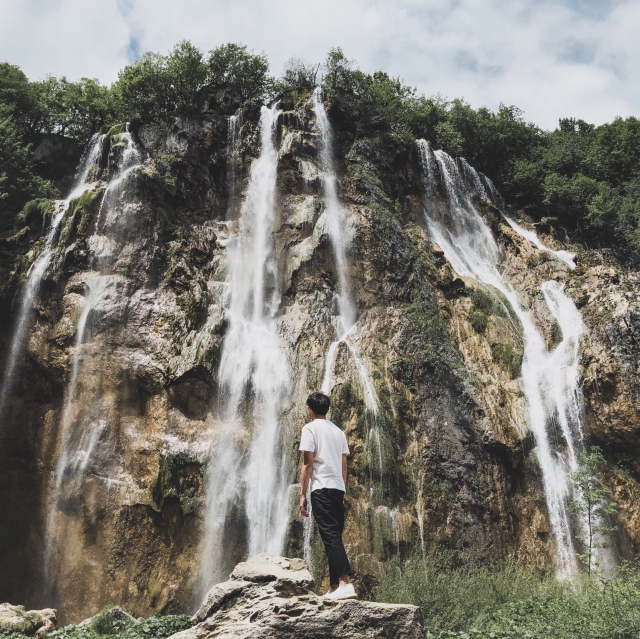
(40, 266)
(247, 463)
(234, 142)
(565, 256)
(80, 434)
(550, 379)
(335, 223)
(336, 226)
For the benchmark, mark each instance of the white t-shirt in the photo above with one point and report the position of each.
(329, 443)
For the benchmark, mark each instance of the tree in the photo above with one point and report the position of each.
(18, 181)
(187, 74)
(234, 67)
(592, 505)
(18, 98)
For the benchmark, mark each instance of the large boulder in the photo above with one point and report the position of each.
(27, 622)
(270, 596)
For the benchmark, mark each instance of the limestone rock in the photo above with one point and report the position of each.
(27, 622)
(270, 597)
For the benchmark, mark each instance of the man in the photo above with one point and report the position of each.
(325, 451)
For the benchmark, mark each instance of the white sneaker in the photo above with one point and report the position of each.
(329, 592)
(343, 592)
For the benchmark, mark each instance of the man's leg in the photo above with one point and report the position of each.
(328, 511)
(340, 560)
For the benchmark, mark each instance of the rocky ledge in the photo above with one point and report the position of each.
(270, 596)
(15, 619)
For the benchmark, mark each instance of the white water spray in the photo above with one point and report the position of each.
(40, 266)
(565, 256)
(550, 379)
(77, 441)
(336, 226)
(247, 464)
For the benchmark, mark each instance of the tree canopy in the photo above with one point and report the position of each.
(586, 177)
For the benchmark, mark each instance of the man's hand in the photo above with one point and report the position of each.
(303, 506)
(305, 476)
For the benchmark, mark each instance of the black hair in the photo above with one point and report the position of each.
(318, 403)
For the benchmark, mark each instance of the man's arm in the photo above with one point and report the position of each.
(305, 476)
(344, 470)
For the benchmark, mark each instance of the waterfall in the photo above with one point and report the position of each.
(39, 268)
(336, 227)
(129, 160)
(247, 462)
(567, 257)
(78, 440)
(234, 142)
(550, 379)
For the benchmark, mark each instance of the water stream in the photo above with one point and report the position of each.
(40, 266)
(247, 464)
(79, 434)
(550, 378)
(336, 226)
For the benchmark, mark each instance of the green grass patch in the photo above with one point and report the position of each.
(508, 601)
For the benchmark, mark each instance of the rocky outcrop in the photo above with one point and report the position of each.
(15, 619)
(448, 460)
(269, 597)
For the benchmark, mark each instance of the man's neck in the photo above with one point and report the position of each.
(319, 417)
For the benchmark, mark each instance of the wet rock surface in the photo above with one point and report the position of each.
(452, 461)
(269, 597)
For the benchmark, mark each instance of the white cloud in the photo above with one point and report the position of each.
(553, 58)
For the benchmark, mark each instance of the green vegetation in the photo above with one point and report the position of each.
(508, 358)
(463, 600)
(593, 506)
(113, 623)
(583, 177)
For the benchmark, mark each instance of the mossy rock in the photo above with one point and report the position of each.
(36, 212)
(506, 356)
(180, 480)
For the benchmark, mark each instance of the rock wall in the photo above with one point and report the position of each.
(448, 462)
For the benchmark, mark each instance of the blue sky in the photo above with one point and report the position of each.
(553, 59)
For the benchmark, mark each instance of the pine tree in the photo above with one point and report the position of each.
(593, 506)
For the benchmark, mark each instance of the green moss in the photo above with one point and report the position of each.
(478, 321)
(78, 216)
(113, 130)
(164, 169)
(556, 333)
(179, 480)
(506, 357)
(482, 301)
(36, 211)
(402, 370)
(427, 339)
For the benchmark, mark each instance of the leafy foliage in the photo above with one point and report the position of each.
(510, 602)
(234, 67)
(585, 177)
(107, 625)
(593, 506)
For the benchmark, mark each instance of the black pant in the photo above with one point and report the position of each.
(327, 508)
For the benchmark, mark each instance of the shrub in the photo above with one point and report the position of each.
(506, 356)
(506, 601)
(478, 321)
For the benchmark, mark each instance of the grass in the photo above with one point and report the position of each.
(508, 601)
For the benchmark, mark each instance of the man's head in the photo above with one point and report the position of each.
(318, 405)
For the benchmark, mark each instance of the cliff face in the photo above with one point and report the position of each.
(116, 401)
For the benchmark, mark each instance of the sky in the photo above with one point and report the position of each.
(551, 58)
